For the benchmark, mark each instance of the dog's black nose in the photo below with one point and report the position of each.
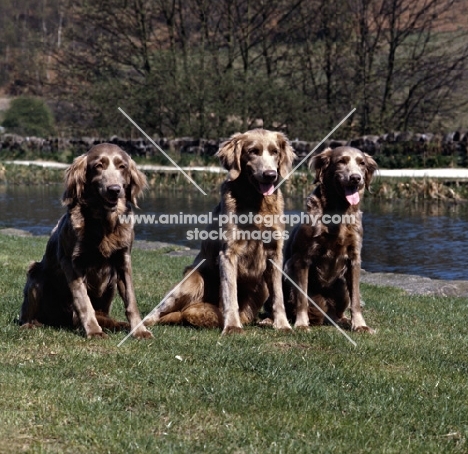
(270, 175)
(355, 178)
(114, 189)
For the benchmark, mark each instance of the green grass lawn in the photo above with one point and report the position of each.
(403, 390)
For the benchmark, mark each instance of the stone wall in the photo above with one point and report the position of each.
(450, 143)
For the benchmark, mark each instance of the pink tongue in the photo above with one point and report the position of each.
(267, 188)
(352, 196)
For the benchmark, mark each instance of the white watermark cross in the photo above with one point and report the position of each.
(314, 303)
(162, 301)
(161, 150)
(318, 145)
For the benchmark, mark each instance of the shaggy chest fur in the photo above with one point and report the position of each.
(254, 233)
(332, 253)
(334, 242)
(97, 247)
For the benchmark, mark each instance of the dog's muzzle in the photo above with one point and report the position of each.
(112, 194)
(351, 190)
(267, 185)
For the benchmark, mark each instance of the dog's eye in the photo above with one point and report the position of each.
(122, 166)
(254, 151)
(98, 166)
(274, 151)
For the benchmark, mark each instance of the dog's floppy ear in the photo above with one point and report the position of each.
(286, 155)
(319, 163)
(75, 181)
(371, 167)
(230, 155)
(137, 184)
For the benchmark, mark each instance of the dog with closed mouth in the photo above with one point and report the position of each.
(235, 276)
(324, 259)
(87, 257)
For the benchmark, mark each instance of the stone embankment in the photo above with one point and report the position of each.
(450, 143)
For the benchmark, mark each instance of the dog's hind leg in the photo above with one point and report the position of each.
(199, 315)
(107, 322)
(315, 316)
(181, 296)
(337, 301)
(32, 297)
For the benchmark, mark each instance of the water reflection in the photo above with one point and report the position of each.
(33, 208)
(428, 239)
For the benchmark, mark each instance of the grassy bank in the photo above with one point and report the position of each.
(403, 390)
(299, 183)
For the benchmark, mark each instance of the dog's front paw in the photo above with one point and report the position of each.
(232, 330)
(97, 335)
(363, 329)
(31, 325)
(142, 333)
(303, 328)
(344, 322)
(286, 328)
(282, 324)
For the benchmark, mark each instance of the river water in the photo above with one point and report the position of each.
(404, 237)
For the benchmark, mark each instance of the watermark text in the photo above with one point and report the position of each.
(232, 219)
(237, 227)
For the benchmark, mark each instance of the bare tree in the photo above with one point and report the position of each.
(407, 60)
(211, 67)
(27, 29)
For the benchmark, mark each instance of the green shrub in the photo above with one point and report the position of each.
(29, 117)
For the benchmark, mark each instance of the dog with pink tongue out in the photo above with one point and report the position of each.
(239, 264)
(324, 257)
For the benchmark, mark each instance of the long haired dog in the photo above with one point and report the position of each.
(236, 277)
(324, 257)
(88, 254)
